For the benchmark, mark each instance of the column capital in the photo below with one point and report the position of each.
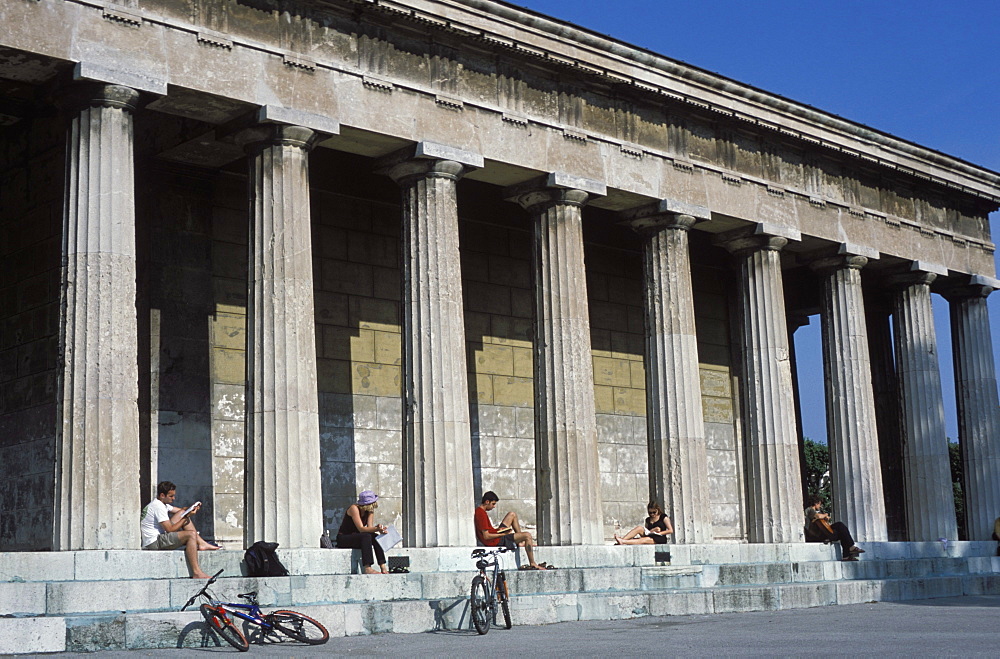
(428, 159)
(917, 272)
(664, 214)
(555, 188)
(840, 256)
(968, 287)
(99, 94)
(263, 135)
(756, 237)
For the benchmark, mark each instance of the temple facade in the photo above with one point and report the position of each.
(281, 252)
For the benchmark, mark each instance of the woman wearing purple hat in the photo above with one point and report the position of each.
(358, 531)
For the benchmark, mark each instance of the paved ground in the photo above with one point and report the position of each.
(951, 627)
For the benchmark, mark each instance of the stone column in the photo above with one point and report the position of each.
(774, 490)
(885, 385)
(678, 463)
(97, 499)
(567, 476)
(850, 403)
(930, 504)
(438, 496)
(284, 502)
(978, 411)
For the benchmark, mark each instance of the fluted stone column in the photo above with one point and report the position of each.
(437, 457)
(885, 386)
(678, 463)
(284, 501)
(978, 411)
(850, 403)
(774, 490)
(97, 499)
(930, 504)
(567, 476)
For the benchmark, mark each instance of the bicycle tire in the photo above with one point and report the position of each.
(299, 627)
(503, 594)
(479, 605)
(222, 624)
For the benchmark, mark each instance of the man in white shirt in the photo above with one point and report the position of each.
(165, 526)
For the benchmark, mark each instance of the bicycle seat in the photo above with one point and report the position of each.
(476, 553)
(248, 596)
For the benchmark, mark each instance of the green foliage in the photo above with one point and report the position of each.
(817, 469)
(957, 473)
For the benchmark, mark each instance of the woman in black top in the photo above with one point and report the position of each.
(358, 531)
(654, 532)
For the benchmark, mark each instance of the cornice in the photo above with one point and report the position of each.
(562, 44)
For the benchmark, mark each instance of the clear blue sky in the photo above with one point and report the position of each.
(928, 72)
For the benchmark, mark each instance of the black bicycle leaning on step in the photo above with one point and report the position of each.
(219, 617)
(489, 595)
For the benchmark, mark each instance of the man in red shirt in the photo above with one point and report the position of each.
(509, 532)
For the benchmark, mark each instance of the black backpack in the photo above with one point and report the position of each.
(262, 560)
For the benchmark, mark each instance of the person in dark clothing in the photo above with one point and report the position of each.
(358, 531)
(655, 531)
(818, 533)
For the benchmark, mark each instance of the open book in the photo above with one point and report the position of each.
(193, 507)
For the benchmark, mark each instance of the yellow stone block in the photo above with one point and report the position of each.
(717, 410)
(484, 387)
(375, 314)
(524, 363)
(357, 345)
(518, 392)
(376, 380)
(228, 366)
(388, 348)
(229, 331)
(638, 371)
(494, 359)
(715, 382)
(604, 399)
(512, 331)
(614, 372)
(630, 401)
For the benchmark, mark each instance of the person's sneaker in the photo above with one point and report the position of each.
(856, 550)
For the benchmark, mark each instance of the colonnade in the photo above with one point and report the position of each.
(98, 452)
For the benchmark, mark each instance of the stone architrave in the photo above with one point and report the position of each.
(567, 473)
(437, 456)
(850, 402)
(676, 430)
(97, 499)
(283, 492)
(774, 489)
(930, 505)
(978, 411)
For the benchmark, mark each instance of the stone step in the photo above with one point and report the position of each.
(101, 565)
(134, 630)
(61, 598)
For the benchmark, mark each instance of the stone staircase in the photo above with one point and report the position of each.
(93, 600)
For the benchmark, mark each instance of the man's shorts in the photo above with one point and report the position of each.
(508, 541)
(166, 541)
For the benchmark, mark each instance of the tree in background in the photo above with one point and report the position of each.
(817, 472)
(957, 473)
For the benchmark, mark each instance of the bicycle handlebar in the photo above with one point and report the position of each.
(203, 591)
(481, 551)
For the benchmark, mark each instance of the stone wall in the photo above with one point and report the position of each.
(196, 290)
(31, 175)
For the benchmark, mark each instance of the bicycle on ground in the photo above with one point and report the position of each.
(219, 617)
(489, 595)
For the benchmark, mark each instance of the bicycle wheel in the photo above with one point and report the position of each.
(503, 594)
(479, 605)
(300, 627)
(219, 622)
